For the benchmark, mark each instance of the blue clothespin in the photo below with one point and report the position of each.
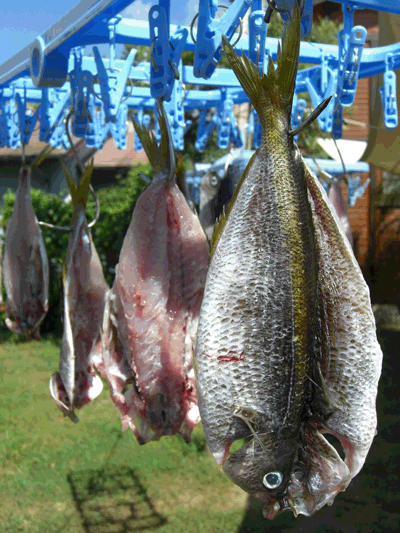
(204, 130)
(351, 44)
(164, 55)
(53, 110)
(118, 127)
(102, 129)
(355, 189)
(143, 120)
(224, 109)
(113, 84)
(298, 108)
(257, 36)
(81, 103)
(255, 128)
(27, 123)
(175, 112)
(388, 94)
(235, 136)
(3, 124)
(315, 85)
(11, 131)
(208, 49)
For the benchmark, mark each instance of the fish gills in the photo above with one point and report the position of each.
(25, 264)
(154, 304)
(255, 340)
(85, 289)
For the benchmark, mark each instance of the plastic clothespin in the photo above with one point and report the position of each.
(53, 109)
(355, 189)
(144, 120)
(204, 130)
(113, 84)
(161, 72)
(298, 108)
(224, 109)
(351, 44)
(315, 83)
(102, 129)
(257, 36)
(11, 131)
(235, 135)
(81, 103)
(388, 94)
(175, 112)
(118, 127)
(208, 49)
(255, 128)
(3, 122)
(177, 44)
(27, 123)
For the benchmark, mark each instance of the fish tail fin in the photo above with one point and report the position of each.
(276, 87)
(79, 192)
(161, 157)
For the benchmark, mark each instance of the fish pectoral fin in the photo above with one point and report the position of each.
(311, 117)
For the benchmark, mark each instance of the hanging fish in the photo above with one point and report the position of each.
(151, 320)
(85, 289)
(217, 192)
(336, 197)
(267, 369)
(25, 264)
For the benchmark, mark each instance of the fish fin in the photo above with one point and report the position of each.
(276, 88)
(79, 192)
(220, 224)
(160, 156)
(311, 117)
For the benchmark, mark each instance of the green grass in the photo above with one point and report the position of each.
(60, 477)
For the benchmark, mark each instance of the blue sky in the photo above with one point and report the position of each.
(23, 20)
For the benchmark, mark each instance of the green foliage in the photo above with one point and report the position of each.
(116, 204)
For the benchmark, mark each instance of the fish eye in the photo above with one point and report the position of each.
(272, 480)
(214, 180)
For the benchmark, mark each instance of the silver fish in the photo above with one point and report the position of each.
(25, 264)
(85, 289)
(151, 319)
(269, 360)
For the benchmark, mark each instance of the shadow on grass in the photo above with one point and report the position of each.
(112, 499)
(371, 503)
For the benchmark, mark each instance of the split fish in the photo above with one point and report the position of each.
(286, 345)
(151, 319)
(85, 289)
(25, 264)
(336, 197)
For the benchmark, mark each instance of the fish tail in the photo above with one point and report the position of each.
(160, 157)
(79, 192)
(276, 87)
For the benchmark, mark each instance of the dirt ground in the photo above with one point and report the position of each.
(371, 503)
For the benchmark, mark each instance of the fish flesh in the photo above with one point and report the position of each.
(269, 362)
(25, 264)
(151, 319)
(336, 197)
(85, 289)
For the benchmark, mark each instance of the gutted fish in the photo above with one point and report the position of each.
(336, 197)
(85, 289)
(25, 264)
(269, 362)
(152, 314)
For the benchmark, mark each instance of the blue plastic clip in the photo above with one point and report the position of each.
(208, 49)
(161, 73)
(102, 129)
(355, 189)
(255, 128)
(235, 136)
(53, 110)
(118, 128)
(204, 130)
(27, 123)
(11, 132)
(81, 103)
(257, 36)
(175, 112)
(143, 120)
(350, 52)
(313, 80)
(113, 85)
(388, 94)
(224, 109)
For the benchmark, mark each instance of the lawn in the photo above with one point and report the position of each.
(60, 477)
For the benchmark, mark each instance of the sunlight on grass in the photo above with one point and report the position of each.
(61, 477)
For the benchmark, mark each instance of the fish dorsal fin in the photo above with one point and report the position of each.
(79, 192)
(277, 86)
(161, 157)
(220, 224)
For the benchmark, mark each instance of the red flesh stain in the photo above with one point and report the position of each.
(230, 356)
